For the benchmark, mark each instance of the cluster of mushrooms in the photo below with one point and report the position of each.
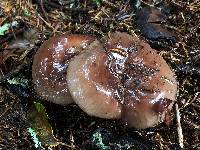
(116, 77)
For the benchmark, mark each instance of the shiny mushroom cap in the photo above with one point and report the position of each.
(149, 84)
(122, 78)
(91, 84)
(50, 66)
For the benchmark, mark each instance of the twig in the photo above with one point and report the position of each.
(189, 69)
(179, 128)
(196, 97)
(41, 3)
(48, 24)
(110, 4)
(64, 8)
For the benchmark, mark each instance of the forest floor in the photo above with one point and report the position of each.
(26, 24)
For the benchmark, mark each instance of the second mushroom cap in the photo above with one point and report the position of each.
(122, 78)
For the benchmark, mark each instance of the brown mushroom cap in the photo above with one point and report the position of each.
(128, 79)
(149, 84)
(50, 66)
(91, 84)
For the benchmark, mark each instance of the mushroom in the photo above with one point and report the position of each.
(50, 66)
(123, 77)
(117, 77)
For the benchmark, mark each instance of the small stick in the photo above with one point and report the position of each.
(48, 24)
(41, 3)
(110, 4)
(179, 128)
(189, 102)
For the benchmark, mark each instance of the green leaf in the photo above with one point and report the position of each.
(41, 109)
(38, 118)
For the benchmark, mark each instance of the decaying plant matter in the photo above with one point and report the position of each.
(26, 24)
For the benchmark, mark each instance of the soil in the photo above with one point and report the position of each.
(176, 36)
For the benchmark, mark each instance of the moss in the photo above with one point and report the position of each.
(98, 140)
(18, 81)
